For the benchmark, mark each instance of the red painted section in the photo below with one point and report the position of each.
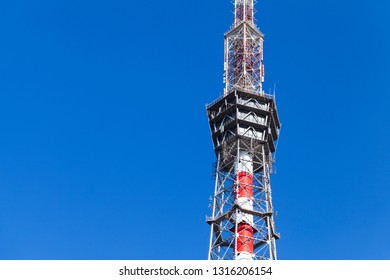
(245, 238)
(245, 181)
(245, 231)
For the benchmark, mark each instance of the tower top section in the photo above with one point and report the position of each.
(243, 68)
(243, 11)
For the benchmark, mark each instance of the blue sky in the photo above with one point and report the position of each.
(105, 150)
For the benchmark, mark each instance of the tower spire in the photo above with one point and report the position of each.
(243, 11)
(244, 51)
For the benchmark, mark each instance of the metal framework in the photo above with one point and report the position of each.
(244, 51)
(244, 125)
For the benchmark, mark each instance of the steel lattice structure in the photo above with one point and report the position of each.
(244, 51)
(244, 125)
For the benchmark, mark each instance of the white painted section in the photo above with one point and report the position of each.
(243, 217)
(245, 203)
(244, 256)
(245, 162)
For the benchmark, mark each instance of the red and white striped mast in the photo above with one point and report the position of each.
(244, 125)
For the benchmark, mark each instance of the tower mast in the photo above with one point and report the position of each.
(244, 125)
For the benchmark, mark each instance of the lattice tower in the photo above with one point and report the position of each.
(244, 125)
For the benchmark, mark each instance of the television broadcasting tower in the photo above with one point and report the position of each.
(244, 125)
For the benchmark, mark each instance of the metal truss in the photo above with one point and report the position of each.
(225, 210)
(244, 51)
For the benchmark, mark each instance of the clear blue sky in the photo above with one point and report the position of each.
(105, 151)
